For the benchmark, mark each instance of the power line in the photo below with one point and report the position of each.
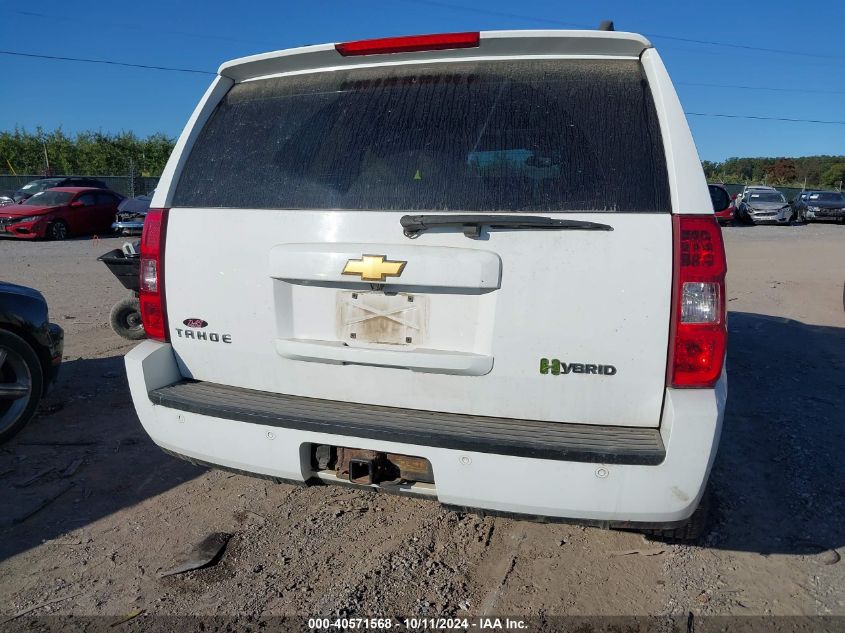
(109, 62)
(778, 51)
(772, 88)
(208, 72)
(762, 118)
(545, 20)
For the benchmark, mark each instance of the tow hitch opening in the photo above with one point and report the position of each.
(370, 468)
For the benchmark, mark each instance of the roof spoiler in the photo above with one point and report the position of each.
(587, 43)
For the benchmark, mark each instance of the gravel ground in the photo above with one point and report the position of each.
(129, 510)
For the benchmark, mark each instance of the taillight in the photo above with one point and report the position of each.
(409, 44)
(151, 290)
(699, 332)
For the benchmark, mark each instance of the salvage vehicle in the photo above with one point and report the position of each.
(481, 268)
(58, 213)
(131, 213)
(30, 355)
(43, 184)
(746, 190)
(820, 205)
(764, 206)
(723, 204)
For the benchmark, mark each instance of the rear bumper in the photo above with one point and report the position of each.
(269, 436)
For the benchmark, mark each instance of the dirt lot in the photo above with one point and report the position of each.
(130, 510)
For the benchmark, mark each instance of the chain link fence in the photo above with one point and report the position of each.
(137, 185)
(788, 192)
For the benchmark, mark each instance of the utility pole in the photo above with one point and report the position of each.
(46, 158)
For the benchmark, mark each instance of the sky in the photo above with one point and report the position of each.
(801, 78)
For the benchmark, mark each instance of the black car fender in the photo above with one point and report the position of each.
(23, 311)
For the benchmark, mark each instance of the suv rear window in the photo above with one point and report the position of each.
(524, 136)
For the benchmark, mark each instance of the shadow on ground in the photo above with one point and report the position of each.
(780, 474)
(779, 477)
(84, 457)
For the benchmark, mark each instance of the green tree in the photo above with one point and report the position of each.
(86, 153)
(834, 175)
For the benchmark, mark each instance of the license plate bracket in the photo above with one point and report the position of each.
(375, 318)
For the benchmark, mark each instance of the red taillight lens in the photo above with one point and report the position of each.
(151, 290)
(409, 44)
(698, 337)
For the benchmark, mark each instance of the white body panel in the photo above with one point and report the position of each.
(489, 310)
(590, 310)
(665, 493)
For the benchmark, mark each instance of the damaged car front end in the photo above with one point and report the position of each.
(766, 207)
(131, 214)
(825, 205)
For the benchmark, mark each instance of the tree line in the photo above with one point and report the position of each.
(84, 153)
(812, 171)
(102, 154)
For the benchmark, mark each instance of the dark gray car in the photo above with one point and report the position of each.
(42, 184)
(818, 205)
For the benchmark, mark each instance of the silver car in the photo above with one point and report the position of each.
(761, 206)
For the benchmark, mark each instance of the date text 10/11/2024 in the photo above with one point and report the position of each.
(416, 624)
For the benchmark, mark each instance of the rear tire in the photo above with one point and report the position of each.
(21, 384)
(125, 319)
(57, 231)
(695, 527)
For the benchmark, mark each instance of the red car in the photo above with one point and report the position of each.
(723, 204)
(56, 213)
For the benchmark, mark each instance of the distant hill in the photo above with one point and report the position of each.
(816, 171)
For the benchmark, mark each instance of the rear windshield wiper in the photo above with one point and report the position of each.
(413, 225)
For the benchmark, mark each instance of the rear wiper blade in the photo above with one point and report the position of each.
(413, 225)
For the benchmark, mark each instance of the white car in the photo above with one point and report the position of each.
(747, 190)
(481, 268)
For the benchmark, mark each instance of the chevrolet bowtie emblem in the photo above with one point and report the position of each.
(373, 267)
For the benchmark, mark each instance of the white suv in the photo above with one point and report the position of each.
(476, 267)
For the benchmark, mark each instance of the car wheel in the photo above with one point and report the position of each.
(125, 319)
(21, 384)
(57, 230)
